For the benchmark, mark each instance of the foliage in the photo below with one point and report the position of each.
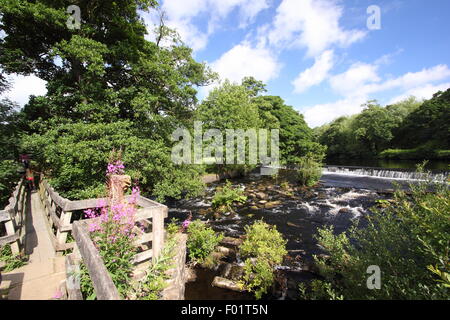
(10, 129)
(409, 129)
(229, 107)
(263, 249)
(296, 138)
(227, 195)
(408, 240)
(430, 123)
(113, 234)
(86, 286)
(11, 261)
(76, 154)
(202, 241)
(108, 87)
(309, 171)
(426, 151)
(9, 177)
(155, 282)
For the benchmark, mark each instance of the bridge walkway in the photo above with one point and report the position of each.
(41, 277)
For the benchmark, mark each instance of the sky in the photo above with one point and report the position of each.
(323, 57)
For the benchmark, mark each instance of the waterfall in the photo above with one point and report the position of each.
(388, 173)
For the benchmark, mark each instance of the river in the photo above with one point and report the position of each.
(340, 199)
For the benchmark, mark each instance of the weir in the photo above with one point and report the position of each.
(378, 172)
(389, 173)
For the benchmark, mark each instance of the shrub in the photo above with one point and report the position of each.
(11, 261)
(74, 157)
(202, 241)
(409, 240)
(309, 171)
(9, 177)
(263, 249)
(225, 196)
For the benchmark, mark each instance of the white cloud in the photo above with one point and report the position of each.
(360, 81)
(355, 79)
(413, 79)
(181, 15)
(24, 86)
(313, 24)
(241, 61)
(425, 92)
(244, 60)
(320, 114)
(316, 74)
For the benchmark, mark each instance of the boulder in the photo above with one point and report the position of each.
(272, 204)
(226, 284)
(231, 242)
(261, 195)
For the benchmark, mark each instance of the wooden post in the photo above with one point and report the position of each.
(10, 231)
(64, 221)
(158, 232)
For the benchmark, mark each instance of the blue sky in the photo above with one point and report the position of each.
(318, 55)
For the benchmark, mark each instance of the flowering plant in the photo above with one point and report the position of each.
(113, 234)
(116, 167)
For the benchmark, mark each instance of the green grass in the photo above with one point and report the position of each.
(415, 154)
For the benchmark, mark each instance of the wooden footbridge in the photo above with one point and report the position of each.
(50, 231)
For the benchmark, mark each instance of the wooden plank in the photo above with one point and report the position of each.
(64, 220)
(103, 284)
(60, 201)
(146, 203)
(9, 239)
(146, 237)
(65, 246)
(158, 233)
(73, 279)
(4, 216)
(143, 214)
(11, 232)
(142, 256)
(83, 204)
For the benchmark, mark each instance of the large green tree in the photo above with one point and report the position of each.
(428, 124)
(104, 76)
(296, 138)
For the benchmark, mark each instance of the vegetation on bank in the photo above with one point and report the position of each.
(262, 250)
(202, 240)
(309, 170)
(422, 152)
(9, 260)
(227, 195)
(408, 239)
(409, 129)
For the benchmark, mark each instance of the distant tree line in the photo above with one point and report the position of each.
(409, 129)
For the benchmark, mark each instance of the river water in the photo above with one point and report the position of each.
(338, 200)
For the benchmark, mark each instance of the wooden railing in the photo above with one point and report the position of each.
(13, 218)
(149, 217)
(59, 213)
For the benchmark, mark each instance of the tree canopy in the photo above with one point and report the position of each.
(409, 129)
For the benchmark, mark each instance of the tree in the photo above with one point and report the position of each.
(104, 76)
(428, 124)
(296, 138)
(230, 106)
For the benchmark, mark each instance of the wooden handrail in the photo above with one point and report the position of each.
(13, 216)
(101, 280)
